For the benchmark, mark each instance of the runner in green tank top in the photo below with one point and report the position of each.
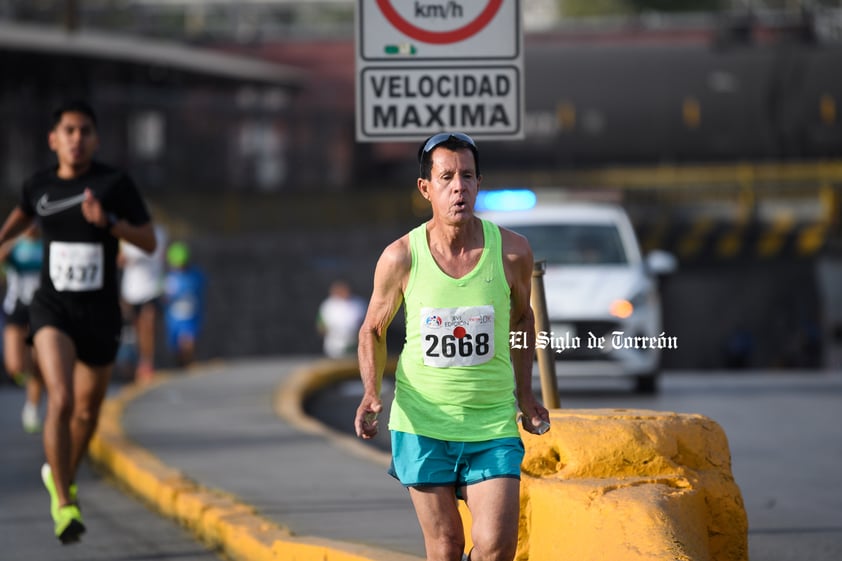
(465, 284)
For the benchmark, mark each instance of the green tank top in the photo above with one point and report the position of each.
(454, 378)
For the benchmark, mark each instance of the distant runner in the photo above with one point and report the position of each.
(83, 208)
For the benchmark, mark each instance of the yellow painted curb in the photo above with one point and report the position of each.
(216, 518)
(290, 397)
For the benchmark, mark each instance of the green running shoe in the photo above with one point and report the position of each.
(69, 524)
(30, 419)
(47, 479)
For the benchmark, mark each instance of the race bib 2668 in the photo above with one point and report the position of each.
(457, 336)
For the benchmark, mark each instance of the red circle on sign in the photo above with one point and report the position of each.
(440, 37)
(459, 332)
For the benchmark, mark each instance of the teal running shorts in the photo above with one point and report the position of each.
(420, 461)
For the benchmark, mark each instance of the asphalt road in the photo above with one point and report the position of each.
(784, 432)
(119, 527)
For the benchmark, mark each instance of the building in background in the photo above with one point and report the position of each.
(721, 133)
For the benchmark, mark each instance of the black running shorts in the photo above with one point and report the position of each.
(93, 326)
(19, 316)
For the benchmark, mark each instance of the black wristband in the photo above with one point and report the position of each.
(110, 220)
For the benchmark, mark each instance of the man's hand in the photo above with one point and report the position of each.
(365, 422)
(92, 210)
(535, 418)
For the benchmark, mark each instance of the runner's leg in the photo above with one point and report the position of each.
(90, 384)
(15, 357)
(495, 510)
(441, 524)
(145, 322)
(20, 364)
(35, 385)
(56, 355)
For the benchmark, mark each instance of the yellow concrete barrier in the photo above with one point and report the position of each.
(630, 485)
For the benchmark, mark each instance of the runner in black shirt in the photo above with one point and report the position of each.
(83, 208)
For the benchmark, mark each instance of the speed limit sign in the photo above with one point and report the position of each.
(424, 66)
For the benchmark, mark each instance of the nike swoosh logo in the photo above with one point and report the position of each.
(46, 207)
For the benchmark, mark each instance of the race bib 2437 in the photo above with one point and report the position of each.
(76, 267)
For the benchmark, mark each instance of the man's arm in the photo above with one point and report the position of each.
(390, 277)
(142, 236)
(518, 259)
(16, 223)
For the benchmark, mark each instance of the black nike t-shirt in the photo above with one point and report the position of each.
(80, 259)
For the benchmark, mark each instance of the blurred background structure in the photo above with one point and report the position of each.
(716, 123)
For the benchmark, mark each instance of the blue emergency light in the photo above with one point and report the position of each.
(506, 199)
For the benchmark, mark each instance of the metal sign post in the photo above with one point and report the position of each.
(546, 360)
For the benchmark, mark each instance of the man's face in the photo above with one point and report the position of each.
(453, 185)
(74, 140)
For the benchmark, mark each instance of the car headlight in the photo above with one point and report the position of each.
(623, 308)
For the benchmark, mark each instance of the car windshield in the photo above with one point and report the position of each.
(575, 244)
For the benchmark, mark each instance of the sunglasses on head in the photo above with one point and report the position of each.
(437, 139)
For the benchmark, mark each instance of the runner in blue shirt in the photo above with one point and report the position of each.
(184, 293)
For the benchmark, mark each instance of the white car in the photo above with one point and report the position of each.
(602, 296)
